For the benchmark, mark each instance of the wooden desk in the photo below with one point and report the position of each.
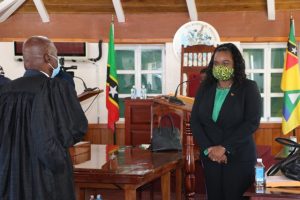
(273, 193)
(161, 107)
(127, 168)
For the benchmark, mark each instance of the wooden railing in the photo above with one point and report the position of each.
(265, 135)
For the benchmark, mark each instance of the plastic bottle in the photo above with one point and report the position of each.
(92, 197)
(143, 92)
(259, 174)
(133, 92)
(98, 197)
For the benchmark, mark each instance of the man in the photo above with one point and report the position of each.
(40, 119)
(3, 79)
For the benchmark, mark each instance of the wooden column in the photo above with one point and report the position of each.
(189, 160)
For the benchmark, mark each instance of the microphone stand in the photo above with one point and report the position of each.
(87, 92)
(86, 89)
(174, 99)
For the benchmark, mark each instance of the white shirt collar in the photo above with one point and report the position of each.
(45, 74)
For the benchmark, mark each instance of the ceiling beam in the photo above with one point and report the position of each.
(271, 9)
(39, 4)
(6, 4)
(192, 10)
(119, 10)
(10, 10)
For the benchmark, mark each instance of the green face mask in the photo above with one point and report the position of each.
(222, 72)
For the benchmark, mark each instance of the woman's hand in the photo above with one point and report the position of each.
(217, 154)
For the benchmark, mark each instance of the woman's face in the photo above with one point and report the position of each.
(223, 58)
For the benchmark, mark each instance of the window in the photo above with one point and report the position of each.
(264, 64)
(139, 65)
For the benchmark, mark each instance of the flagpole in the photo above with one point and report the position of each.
(293, 24)
(115, 134)
(112, 99)
(294, 132)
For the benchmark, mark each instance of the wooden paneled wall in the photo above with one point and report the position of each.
(100, 134)
(265, 135)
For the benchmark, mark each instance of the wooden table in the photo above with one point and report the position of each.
(273, 193)
(127, 168)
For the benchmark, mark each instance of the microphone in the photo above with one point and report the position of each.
(174, 99)
(86, 89)
(62, 65)
(62, 61)
(69, 68)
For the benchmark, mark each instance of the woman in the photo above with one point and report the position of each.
(225, 114)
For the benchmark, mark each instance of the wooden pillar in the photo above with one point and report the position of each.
(189, 161)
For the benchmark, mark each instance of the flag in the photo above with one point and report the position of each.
(290, 85)
(112, 99)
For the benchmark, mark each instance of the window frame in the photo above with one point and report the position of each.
(267, 70)
(137, 71)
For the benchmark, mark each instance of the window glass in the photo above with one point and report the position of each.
(126, 81)
(259, 79)
(121, 107)
(275, 82)
(151, 59)
(152, 83)
(125, 59)
(276, 106)
(254, 58)
(262, 107)
(277, 58)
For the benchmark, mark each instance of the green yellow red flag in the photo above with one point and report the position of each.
(290, 85)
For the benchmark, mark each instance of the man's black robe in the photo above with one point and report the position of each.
(40, 119)
(4, 80)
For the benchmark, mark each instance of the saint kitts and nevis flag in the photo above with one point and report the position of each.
(290, 85)
(112, 99)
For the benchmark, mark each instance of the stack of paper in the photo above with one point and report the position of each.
(281, 181)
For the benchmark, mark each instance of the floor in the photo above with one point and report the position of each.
(110, 194)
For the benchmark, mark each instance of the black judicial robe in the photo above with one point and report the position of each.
(4, 80)
(40, 119)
